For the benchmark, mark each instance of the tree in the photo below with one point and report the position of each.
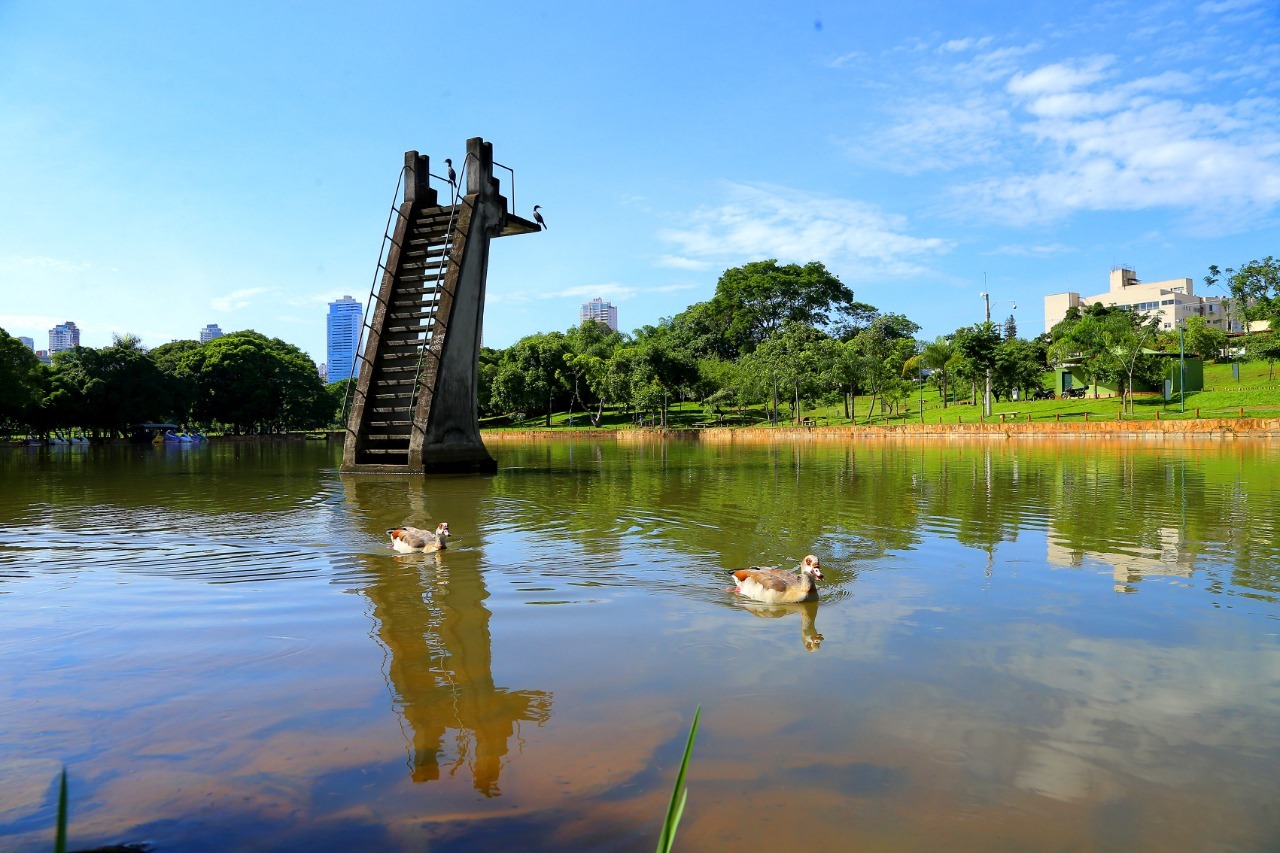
(1264, 346)
(1080, 339)
(976, 345)
(1122, 354)
(883, 348)
(587, 350)
(21, 384)
(258, 384)
(1222, 280)
(1010, 328)
(797, 355)
(754, 301)
(178, 362)
(1018, 364)
(1197, 337)
(530, 374)
(1256, 288)
(660, 370)
(934, 357)
(105, 390)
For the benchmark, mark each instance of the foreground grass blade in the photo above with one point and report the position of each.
(679, 793)
(60, 841)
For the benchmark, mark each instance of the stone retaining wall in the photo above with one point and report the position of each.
(1204, 428)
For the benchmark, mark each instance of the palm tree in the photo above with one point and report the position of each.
(935, 357)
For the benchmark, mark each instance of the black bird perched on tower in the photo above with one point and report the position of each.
(537, 217)
(453, 176)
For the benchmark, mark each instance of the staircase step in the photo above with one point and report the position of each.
(385, 439)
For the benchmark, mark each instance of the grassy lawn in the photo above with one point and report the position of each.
(1256, 395)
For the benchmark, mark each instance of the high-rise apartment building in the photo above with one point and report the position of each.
(27, 342)
(600, 311)
(210, 332)
(63, 336)
(345, 318)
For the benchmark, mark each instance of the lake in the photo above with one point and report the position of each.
(1019, 645)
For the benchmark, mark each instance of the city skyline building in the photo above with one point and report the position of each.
(343, 335)
(28, 342)
(600, 311)
(63, 336)
(210, 332)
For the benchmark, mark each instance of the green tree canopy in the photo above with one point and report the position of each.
(755, 300)
(22, 383)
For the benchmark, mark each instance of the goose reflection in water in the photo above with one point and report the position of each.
(808, 611)
(434, 626)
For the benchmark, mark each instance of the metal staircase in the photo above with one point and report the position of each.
(412, 405)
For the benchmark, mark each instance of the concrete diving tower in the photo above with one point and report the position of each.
(414, 408)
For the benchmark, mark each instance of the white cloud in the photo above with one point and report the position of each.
(237, 299)
(317, 299)
(1105, 131)
(758, 221)
(13, 322)
(945, 133)
(14, 263)
(965, 44)
(1060, 77)
(1235, 10)
(845, 60)
(680, 263)
(1042, 251)
(611, 291)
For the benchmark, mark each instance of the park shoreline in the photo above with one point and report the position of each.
(1204, 428)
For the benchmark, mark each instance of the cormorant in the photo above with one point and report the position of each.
(453, 176)
(537, 217)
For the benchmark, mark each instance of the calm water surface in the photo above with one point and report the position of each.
(1019, 646)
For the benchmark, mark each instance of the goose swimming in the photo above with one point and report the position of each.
(409, 539)
(778, 586)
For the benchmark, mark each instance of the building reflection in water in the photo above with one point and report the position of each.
(431, 620)
(1170, 559)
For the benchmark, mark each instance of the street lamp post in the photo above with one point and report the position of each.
(986, 395)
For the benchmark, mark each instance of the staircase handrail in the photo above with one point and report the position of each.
(388, 237)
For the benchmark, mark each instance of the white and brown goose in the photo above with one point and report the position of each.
(409, 539)
(779, 586)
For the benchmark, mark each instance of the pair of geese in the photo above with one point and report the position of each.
(767, 585)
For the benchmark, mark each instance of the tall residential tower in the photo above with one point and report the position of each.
(600, 311)
(345, 318)
(63, 336)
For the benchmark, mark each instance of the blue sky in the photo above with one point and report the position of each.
(168, 165)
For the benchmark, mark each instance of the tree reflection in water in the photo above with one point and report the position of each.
(431, 620)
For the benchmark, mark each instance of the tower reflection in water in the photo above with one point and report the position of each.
(430, 618)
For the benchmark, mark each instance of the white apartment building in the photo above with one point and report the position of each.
(600, 311)
(1173, 301)
(63, 336)
(209, 333)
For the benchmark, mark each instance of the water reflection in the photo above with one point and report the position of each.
(808, 612)
(431, 620)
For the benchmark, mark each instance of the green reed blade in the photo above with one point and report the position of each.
(678, 794)
(60, 842)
